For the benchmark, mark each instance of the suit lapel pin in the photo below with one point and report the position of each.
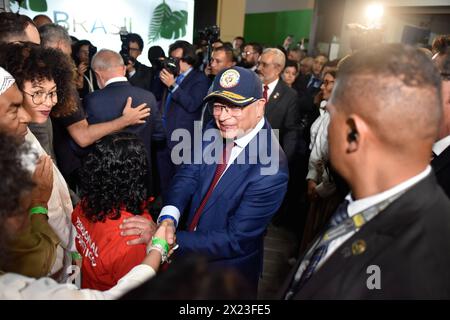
(358, 247)
(276, 95)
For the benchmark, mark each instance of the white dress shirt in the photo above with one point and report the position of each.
(271, 86)
(319, 154)
(441, 145)
(115, 79)
(239, 146)
(357, 206)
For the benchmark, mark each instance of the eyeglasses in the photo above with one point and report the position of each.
(326, 82)
(234, 111)
(247, 53)
(40, 97)
(134, 49)
(264, 64)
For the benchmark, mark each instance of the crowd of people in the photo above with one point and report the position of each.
(113, 168)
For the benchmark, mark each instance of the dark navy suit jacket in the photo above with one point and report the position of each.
(108, 103)
(185, 104)
(232, 226)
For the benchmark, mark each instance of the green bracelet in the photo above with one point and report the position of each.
(161, 242)
(38, 210)
(76, 256)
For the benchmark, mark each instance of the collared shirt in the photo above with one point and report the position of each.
(441, 145)
(357, 206)
(319, 154)
(115, 79)
(271, 86)
(239, 146)
(131, 73)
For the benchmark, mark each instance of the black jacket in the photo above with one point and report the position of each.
(441, 167)
(282, 112)
(409, 241)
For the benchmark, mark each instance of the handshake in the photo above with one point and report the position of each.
(160, 238)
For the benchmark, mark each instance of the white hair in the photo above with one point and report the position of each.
(106, 59)
(278, 56)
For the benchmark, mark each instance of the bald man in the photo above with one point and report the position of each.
(41, 20)
(390, 238)
(108, 103)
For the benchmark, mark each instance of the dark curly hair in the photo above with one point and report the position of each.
(30, 62)
(15, 185)
(113, 177)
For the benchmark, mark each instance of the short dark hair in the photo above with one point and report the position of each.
(134, 37)
(256, 46)
(189, 55)
(51, 33)
(393, 82)
(228, 52)
(30, 62)
(291, 63)
(13, 25)
(114, 177)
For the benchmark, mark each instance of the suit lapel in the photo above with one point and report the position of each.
(275, 97)
(441, 161)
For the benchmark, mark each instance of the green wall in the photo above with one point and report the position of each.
(272, 28)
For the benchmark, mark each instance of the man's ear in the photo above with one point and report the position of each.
(356, 133)
(261, 103)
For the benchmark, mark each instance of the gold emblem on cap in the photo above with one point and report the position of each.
(229, 79)
(358, 247)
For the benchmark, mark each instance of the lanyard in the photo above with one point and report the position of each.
(355, 222)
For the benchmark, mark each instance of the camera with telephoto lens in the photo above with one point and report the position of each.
(210, 34)
(172, 65)
(124, 51)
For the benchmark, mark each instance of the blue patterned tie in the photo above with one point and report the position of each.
(339, 216)
(169, 98)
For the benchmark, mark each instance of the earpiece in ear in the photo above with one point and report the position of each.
(353, 136)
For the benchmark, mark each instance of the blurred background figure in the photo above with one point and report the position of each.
(41, 20)
(82, 53)
(290, 72)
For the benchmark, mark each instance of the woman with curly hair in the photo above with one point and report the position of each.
(44, 75)
(45, 78)
(113, 188)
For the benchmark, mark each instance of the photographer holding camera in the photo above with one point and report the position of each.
(182, 103)
(82, 53)
(138, 74)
